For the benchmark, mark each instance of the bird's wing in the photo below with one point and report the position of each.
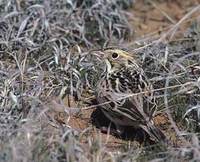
(141, 101)
(124, 95)
(147, 99)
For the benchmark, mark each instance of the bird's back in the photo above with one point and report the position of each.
(128, 95)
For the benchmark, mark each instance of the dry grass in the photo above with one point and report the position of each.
(45, 53)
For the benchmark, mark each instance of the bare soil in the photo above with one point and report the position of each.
(150, 18)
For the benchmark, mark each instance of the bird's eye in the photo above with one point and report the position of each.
(115, 55)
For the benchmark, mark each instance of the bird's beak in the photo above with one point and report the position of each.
(98, 53)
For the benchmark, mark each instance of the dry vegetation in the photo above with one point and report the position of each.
(48, 77)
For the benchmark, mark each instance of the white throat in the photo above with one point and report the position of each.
(108, 66)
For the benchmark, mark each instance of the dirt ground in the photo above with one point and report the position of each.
(150, 18)
(155, 17)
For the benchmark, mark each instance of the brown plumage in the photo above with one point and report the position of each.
(125, 94)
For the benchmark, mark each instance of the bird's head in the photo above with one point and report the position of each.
(117, 59)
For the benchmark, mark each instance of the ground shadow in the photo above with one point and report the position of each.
(99, 120)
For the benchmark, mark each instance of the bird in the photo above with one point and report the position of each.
(125, 95)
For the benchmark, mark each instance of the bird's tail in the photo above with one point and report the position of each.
(155, 133)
